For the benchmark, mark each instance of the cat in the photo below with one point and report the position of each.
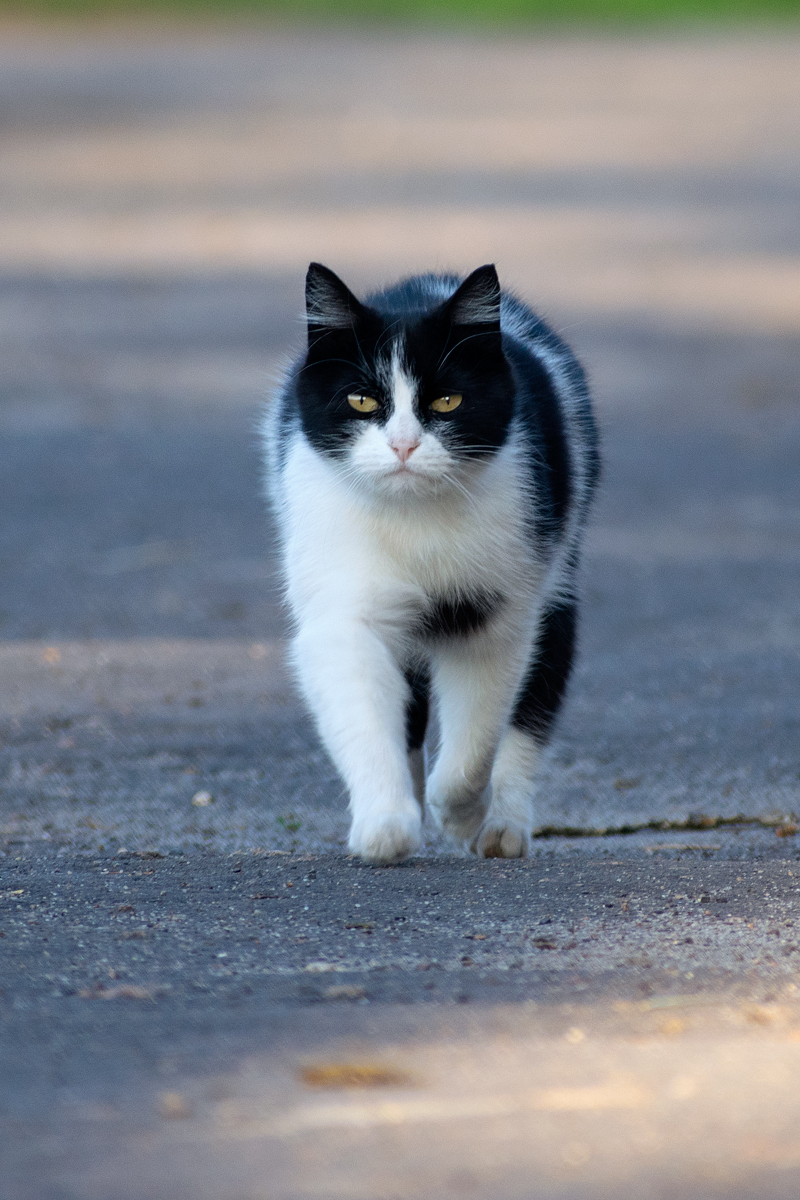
(432, 457)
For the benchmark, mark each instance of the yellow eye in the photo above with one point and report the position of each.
(363, 404)
(446, 403)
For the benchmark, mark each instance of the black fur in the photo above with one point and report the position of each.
(540, 415)
(417, 708)
(457, 618)
(542, 693)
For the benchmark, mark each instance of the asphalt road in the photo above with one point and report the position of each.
(211, 999)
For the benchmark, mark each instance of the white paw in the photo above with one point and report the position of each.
(461, 825)
(460, 819)
(388, 839)
(506, 840)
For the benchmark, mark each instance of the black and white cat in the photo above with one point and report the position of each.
(432, 459)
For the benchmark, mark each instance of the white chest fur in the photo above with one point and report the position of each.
(345, 547)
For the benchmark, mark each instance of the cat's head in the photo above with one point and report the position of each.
(408, 393)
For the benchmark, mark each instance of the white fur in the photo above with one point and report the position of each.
(506, 829)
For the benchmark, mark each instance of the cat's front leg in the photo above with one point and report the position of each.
(474, 681)
(505, 832)
(359, 697)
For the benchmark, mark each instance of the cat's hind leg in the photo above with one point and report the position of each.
(505, 832)
(417, 710)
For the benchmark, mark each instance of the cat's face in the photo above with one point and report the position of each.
(405, 400)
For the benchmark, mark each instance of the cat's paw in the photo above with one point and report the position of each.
(386, 840)
(460, 819)
(506, 840)
(461, 825)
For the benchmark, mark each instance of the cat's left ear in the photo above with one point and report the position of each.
(477, 300)
(329, 303)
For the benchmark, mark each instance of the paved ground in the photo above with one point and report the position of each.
(619, 1013)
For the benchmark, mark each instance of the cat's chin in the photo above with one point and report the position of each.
(404, 484)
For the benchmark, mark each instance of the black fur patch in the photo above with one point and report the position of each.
(458, 618)
(417, 709)
(539, 411)
(543, 690)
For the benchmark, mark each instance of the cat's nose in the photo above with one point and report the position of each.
(404, 447)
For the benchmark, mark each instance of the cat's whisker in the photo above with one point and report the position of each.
(323, 362)
(471, 500)
(453, 349)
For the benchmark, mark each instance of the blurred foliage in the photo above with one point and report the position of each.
(480, 12)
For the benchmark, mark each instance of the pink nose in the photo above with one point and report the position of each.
(404, 450)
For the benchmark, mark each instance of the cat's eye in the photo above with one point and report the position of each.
(446, 404)
(361, 403)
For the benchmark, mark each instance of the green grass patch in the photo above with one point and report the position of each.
(432, 12)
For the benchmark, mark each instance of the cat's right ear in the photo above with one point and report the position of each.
(329, 303)
(477, 300)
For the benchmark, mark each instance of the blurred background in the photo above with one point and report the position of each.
(168, 170)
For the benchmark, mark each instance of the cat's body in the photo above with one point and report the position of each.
(432, 460)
